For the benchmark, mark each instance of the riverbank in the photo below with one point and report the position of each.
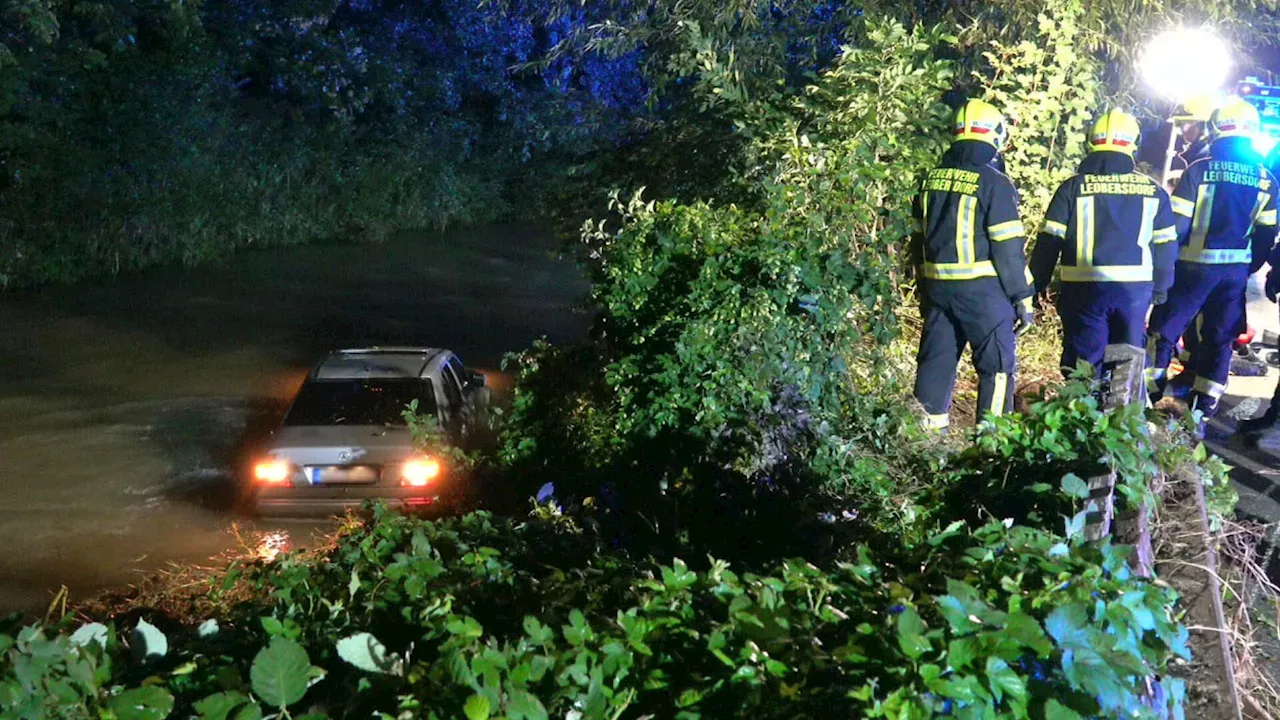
(123, 400)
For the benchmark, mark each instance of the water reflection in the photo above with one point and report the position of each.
(127, 403)
(271, 544)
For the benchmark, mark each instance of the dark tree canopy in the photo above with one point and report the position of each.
(353, 118)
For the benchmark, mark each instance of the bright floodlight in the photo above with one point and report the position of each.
(1263, 144)
(1183, 63)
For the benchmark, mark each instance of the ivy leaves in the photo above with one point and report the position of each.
(281, 673)
(1003, 621)
(911, 637)
(145, 703)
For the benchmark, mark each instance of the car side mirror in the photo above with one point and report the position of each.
(475, 379)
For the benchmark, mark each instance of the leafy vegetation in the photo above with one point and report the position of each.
(744, 518)
(138, 133)
(464, 617)
(743, 351)
(1049, 87)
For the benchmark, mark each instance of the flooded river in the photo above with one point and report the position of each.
(123, 401)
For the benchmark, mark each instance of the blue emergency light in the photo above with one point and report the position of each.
(1266, 98)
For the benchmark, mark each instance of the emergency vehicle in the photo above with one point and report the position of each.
(1266, 98)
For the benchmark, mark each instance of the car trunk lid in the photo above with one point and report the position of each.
(343, 455)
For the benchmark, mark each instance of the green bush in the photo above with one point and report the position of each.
(467, 618)
(1015, 465)
(216, 184)
(743, 354)
(1049, 86)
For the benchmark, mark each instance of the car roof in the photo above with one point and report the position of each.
(380, 363)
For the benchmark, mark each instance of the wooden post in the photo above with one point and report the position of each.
(1123, 382)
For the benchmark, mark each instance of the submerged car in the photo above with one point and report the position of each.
(345, 440)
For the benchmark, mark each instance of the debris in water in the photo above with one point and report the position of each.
(272, 544)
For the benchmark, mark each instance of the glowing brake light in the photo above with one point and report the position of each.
(272, 472)
(418, 473)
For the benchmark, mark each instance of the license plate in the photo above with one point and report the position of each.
(340, 474)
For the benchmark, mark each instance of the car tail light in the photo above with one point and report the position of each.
(272, 472)
(419, 473)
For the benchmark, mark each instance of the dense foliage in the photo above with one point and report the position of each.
(748, 341)
(745, 519)
(144, 132)
(1049, 88)
(139, 132)
(466, 618)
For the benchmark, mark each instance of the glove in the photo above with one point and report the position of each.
(1273, 284)
(1026, 316)
(1159, 297)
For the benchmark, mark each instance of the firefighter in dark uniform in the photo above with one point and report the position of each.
(1113, 228)
(1225, 208)
(969, 256)
(1196, 147)
(1253, 429)
(1191, 120)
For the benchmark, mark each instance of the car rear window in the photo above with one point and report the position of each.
(359, 402)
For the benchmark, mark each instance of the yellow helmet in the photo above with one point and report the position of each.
(1234, 119)
(1115, 130)
(978, 120)
(1195, 109)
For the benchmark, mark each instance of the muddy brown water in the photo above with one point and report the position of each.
(123, 402)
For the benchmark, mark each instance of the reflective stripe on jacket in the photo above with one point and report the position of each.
(967, 222)
(1107, 224)
(1225, 207)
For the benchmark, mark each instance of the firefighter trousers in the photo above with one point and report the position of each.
(959, 314)
(1097, 314)
(1191, 338)
(1216, 292)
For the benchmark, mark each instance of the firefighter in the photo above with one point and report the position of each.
(1225, 209)
(969, 255)
(1193, 116)
(1190, 141)
(1113, 228)
(1254, 428)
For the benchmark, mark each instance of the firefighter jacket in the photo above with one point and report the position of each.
(1108, 224)
(967, 224)
(1189, 153)
(1225, 207)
